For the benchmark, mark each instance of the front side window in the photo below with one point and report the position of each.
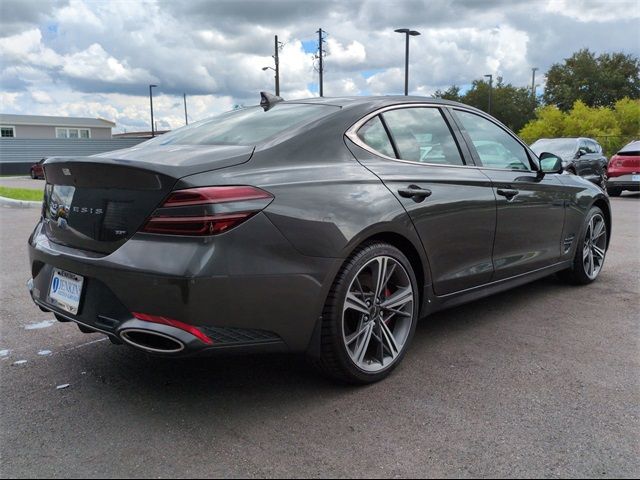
(422, 135)
(374, 135)
(495, 147)
(7, 132)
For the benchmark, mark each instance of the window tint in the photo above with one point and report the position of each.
(422, 135)
(246, 126)
(374, 134)
(495, 147)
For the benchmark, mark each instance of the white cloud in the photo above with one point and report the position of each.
(93, 58)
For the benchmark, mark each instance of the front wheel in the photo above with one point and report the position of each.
(614, 192)
(370, 315)
(590, 252)
(33, 174)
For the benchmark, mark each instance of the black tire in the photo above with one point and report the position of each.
(33, 174)
(577, 274)
(614, 192)
(334, 360)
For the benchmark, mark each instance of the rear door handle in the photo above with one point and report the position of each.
(415, 192)
(509, 194)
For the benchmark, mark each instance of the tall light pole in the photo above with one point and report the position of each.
(407, 33)
(153, 131)
(186, 119)
(490, 77)
(276, 58)
(533, 82)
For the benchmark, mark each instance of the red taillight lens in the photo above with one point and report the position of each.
(173, 323)
(204, 225)
(176, 220)
(206, 195)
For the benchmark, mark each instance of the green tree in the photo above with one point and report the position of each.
(597, 81)
(513, 106)
(612, 127)
(451, 93)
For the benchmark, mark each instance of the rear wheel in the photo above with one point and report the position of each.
(591, 250)
(33, 174)
(370, 315)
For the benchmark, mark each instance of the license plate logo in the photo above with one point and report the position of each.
(65, 290)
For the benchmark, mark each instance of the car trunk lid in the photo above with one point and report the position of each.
(97, 203)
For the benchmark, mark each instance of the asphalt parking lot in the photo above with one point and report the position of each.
(543, 380)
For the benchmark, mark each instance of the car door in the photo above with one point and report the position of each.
(597, 159)
(530, 208)
(584, 167)
(413, 150)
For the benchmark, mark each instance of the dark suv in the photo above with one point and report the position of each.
(580, 156)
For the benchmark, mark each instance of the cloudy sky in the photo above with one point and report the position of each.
(97, 58)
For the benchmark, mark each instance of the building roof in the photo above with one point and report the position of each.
(145, 134)
(41, 120)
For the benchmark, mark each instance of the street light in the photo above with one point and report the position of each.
(153, 132)
(490, 77)
(407, 33)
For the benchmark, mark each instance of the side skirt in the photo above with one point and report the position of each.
(434, 303)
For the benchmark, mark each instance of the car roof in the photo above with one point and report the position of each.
(377, 101)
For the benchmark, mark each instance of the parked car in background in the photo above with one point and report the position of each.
(36, 170)
(580, 156)
(624, 170)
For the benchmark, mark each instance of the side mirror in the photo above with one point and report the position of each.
(550, 163)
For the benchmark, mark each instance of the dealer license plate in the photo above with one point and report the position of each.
(65, 290)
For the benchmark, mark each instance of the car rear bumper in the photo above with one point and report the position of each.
(625, 182)
(247, 289)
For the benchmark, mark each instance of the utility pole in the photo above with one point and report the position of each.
(533, 82)
(320, 55)
(186, 120)
(276, 57)
(490, 77)
(153, 132)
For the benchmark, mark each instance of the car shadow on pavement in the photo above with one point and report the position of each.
(187, 380)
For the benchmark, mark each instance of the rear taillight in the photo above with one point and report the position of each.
(193, 211)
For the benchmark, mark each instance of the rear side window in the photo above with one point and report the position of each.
(374, 134)
(422, 135)
(247, 126)
(495, 147)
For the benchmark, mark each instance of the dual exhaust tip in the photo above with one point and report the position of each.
(151, 341)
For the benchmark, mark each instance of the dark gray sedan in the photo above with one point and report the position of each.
(327, 226)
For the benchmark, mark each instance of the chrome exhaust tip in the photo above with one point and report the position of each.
(151, 341)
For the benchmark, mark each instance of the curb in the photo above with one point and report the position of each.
(10, 202)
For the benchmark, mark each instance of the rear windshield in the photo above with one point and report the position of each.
(632, 149)
(247, 126)
(558, 146)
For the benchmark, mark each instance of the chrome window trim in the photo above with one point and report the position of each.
(352, 134)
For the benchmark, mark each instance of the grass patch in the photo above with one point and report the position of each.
(21, 194)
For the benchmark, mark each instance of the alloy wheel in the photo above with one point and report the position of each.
(378, 314)
(594, 248)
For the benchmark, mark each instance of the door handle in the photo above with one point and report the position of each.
(509, 194)
(416, 193)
